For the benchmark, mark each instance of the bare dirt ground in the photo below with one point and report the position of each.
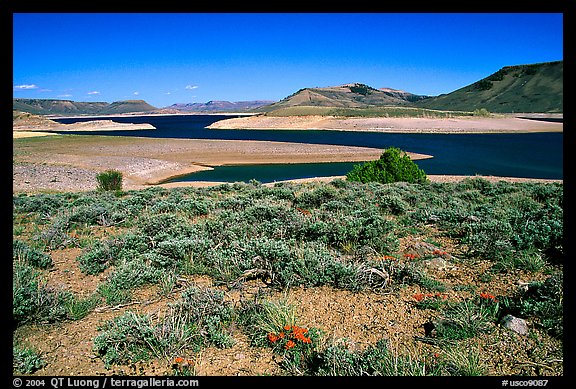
(358, 318)
(460, 125)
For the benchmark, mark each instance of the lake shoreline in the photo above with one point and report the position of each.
(70, 162)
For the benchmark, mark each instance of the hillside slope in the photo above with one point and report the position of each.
(522, 88)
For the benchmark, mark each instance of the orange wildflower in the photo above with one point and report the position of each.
(289, 345)
(419, 296)
(178, 360)
(273, 338)
(487, 296)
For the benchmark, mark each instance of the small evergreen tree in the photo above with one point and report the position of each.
(394, 165)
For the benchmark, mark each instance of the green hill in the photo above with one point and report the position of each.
(522, 88)
(69, 107)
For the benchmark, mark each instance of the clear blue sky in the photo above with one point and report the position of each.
(167, 58)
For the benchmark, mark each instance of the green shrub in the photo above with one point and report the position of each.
(482, 112)
(33, 301)
(109, 180)
(26, 360)
(21, 251)
(200, 318)
(128, 338)
(394, 165)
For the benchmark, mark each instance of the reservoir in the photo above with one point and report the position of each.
(528, 155)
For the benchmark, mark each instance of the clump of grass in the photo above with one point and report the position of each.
(469, 318)
(128, 338)
(463, 360)
(79, 307)
(376, 360)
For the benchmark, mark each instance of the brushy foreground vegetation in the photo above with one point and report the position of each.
(340, 234)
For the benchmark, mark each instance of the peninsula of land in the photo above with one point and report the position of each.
(455, 125)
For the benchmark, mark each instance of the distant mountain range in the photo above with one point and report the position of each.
(220, 106)
(534, 88)
(69, 107)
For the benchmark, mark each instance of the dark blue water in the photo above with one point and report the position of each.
(532, 155)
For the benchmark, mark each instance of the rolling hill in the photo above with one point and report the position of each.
(69, 107)
(353, 95)
(522, 88)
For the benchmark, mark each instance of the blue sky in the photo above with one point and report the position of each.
(167, 58)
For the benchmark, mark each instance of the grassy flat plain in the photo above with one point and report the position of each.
(321, 278)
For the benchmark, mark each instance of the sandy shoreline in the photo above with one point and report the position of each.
(44, 129)
(149, 161)
(458, 125)
(71, 162)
